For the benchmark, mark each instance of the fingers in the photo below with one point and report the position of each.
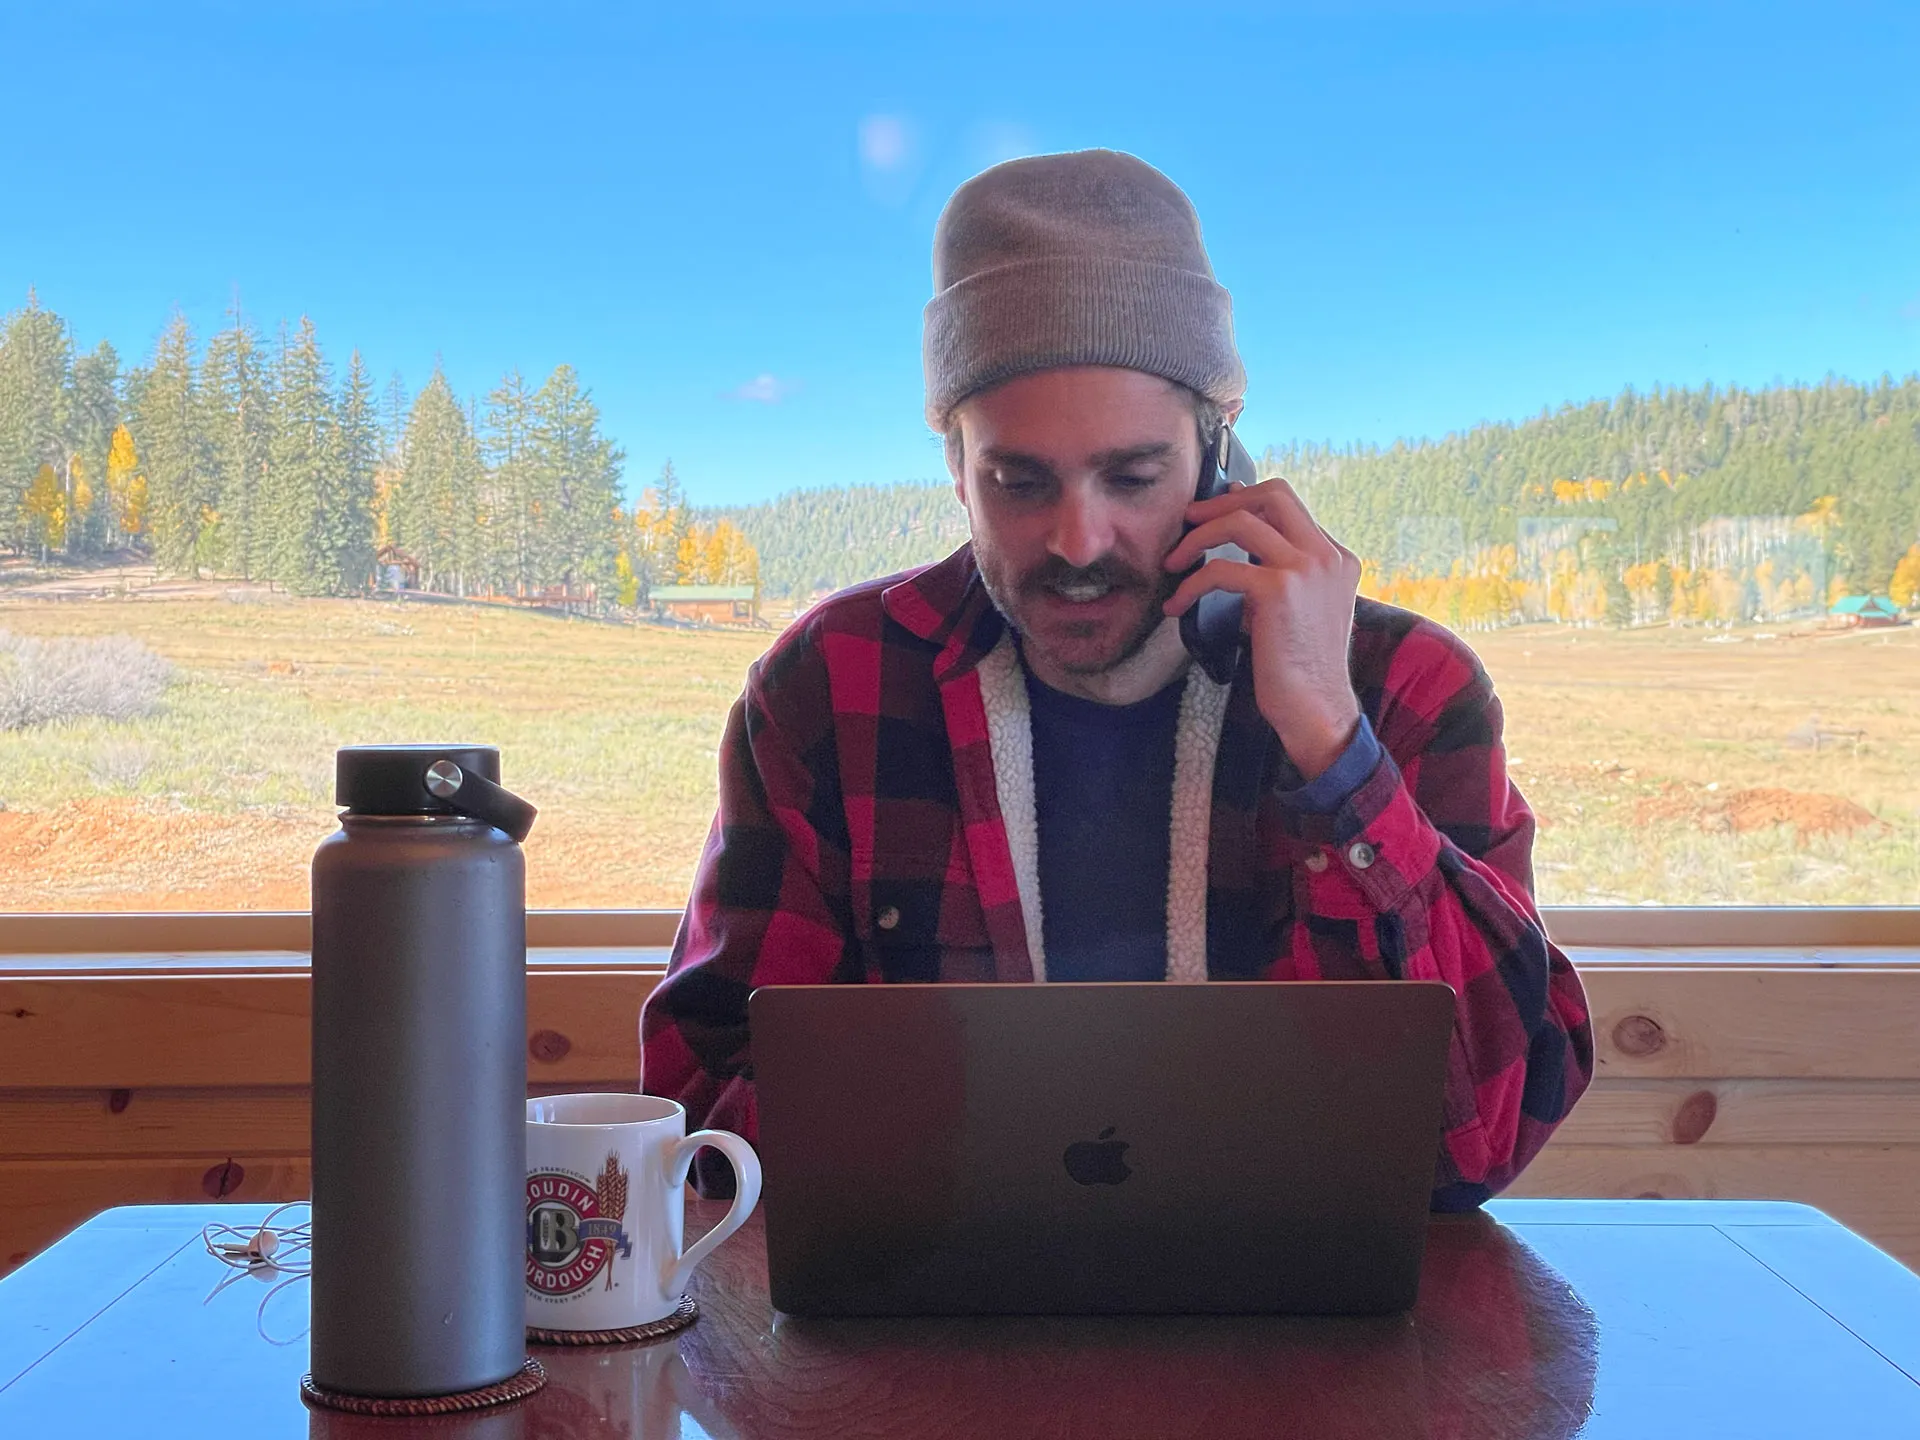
(1339, 568)
(1276, 502)
(1238, 576)
(1235, 527)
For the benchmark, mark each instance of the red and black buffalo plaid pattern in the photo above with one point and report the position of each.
(859, 839)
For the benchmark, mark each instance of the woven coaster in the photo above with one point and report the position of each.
(532, 1376)
(684, 1314)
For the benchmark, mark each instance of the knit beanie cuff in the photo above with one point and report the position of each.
(1058, 310)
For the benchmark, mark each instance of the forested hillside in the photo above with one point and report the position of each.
(1698, 505)
(1708, 504)
(813, 540)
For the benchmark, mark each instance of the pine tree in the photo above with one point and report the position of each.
(303, 469)
(90, 410)
(234, 384)
(515, 508)
(34, 357)
(576, 477)
(169, 426)
(432, 504)
(348, 513)
(393, 415)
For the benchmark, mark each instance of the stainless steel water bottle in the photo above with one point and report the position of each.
(419, 1075)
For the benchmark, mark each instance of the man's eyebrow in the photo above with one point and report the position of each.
(1017, 460)
(1107, 460)
(1132, 455)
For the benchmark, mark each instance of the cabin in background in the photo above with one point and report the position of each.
(708, 604)
(1866, 612)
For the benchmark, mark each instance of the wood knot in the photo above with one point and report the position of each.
(1694, 1117)
(548, 1046)
(118, 1100)
(1639, 1036)
(223, 1179)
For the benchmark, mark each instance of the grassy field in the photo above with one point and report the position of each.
(1663, 763)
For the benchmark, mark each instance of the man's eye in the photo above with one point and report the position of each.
(1135, 482)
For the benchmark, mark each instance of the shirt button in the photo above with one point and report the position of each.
(887, 918)
(1360, 855)
(1316, 862)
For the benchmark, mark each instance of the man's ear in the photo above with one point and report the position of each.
(1232, 412)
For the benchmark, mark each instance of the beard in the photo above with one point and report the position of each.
(1038, 603)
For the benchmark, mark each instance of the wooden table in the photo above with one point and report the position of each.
(1549, 1318)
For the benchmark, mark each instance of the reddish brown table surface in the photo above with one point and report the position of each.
(1543, 1318)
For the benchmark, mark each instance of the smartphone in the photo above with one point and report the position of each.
(1210, 629)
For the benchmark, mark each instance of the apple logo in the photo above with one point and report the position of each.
(1097, 1162)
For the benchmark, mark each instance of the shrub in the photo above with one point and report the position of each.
(44, 682)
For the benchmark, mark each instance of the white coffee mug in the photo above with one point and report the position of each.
(606, 1180)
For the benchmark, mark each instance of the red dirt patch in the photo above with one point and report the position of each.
(116, 846)
(1808, 812)
(123, 853)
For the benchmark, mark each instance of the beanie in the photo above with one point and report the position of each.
(1092, 257)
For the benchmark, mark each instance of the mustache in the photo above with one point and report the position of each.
(1108, 571)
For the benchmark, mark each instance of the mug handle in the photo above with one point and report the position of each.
(746, 1194)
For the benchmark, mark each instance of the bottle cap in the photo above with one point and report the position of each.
(428, 780)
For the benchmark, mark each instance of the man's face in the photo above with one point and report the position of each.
(1076, 483)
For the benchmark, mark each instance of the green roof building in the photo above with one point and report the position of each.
(1866, 610)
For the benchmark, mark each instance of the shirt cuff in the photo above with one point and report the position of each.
(1331, 788)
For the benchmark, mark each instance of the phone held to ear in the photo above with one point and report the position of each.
(1210, 628)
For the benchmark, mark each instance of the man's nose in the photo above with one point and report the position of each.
(1082, 529)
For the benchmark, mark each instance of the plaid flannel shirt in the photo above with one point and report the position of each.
(859, 839)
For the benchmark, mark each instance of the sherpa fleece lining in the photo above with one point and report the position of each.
(1203, 708)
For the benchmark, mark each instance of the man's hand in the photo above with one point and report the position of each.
(1299, 586)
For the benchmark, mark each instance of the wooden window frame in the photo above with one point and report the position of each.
(132, 934)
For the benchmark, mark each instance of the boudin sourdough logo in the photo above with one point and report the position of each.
(573, 1229)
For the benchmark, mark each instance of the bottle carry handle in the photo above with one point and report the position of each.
(466, 793)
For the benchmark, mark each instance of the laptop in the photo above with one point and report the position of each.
(1078, 1149)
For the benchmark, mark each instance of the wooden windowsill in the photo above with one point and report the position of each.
(1803, 934)
(646, 959)
(652, 959)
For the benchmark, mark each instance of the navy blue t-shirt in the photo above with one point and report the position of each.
(1103, 800)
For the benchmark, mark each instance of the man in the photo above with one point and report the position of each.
(1005, 766)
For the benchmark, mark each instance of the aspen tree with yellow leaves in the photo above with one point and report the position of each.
(45, 506)
(126, 489)
(1904, 588)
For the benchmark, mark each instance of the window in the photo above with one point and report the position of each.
(358, 403)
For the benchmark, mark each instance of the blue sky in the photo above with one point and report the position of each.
(1429, 215)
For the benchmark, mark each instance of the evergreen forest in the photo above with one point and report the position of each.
(252, 455)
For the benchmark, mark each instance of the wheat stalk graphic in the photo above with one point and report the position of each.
(610, 1189)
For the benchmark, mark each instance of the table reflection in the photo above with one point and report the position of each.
(1500, 1347)
(593, 1392)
